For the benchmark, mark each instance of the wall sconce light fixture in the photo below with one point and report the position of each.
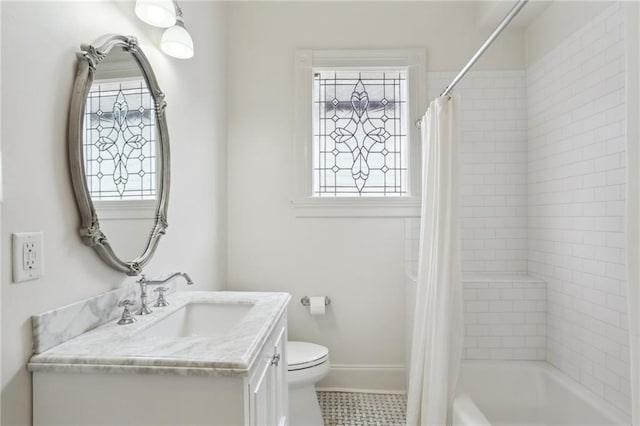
(159, 13)
(176, 40)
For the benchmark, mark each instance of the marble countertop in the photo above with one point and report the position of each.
(125, 348)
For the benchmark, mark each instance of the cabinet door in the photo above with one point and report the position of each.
(268, 392)
(280, 389)
(260, 394)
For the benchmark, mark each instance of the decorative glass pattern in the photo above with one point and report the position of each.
(360, 133)
(120, 141)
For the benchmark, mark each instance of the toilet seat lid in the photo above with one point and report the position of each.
(304, 355)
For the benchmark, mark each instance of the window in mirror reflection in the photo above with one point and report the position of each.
(120, 141)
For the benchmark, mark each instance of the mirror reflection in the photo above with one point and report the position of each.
(120, 153)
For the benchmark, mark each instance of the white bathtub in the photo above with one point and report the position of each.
(525, 393)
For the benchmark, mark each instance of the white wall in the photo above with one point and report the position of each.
(359, 263)
(558, 21)
(39, 42)
(576, 161)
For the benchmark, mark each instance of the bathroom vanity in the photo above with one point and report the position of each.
(209, 358)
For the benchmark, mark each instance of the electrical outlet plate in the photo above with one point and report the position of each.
(28, 256)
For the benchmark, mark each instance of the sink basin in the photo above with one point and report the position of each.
(200, 320)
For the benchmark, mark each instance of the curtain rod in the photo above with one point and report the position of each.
(505, 21)
(501, 26)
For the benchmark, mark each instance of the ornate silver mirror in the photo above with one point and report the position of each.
(119, 152)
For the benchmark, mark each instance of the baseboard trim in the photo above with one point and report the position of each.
(365, 378)
(376, 391)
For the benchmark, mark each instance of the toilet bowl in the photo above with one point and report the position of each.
(308, 363)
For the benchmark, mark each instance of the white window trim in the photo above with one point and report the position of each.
(304, 204)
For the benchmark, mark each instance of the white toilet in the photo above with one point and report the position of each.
(308, 363)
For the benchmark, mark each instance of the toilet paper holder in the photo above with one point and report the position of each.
(305, 301)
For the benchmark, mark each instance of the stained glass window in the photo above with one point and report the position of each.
(120, 141)
(360, 133)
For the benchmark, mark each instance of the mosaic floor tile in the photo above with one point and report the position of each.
(362, 409)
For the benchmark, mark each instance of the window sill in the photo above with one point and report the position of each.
(357, 207)
(126, 209)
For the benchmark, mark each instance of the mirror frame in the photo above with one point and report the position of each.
(87, 61)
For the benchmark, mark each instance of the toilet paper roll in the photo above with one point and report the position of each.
(316, 305)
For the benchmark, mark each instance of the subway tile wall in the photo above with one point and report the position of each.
(576, 175)
(491, 124)
(411, 248)
(505, 317)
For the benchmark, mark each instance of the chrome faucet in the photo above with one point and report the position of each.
(144, 282)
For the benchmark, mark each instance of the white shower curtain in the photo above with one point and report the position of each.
(438, 328)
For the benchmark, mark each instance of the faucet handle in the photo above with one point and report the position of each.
(127, 318)
(162, 301)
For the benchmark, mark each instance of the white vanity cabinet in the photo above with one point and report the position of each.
(168, 396)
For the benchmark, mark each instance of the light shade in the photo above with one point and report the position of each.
(177, 42)
(159, 13)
